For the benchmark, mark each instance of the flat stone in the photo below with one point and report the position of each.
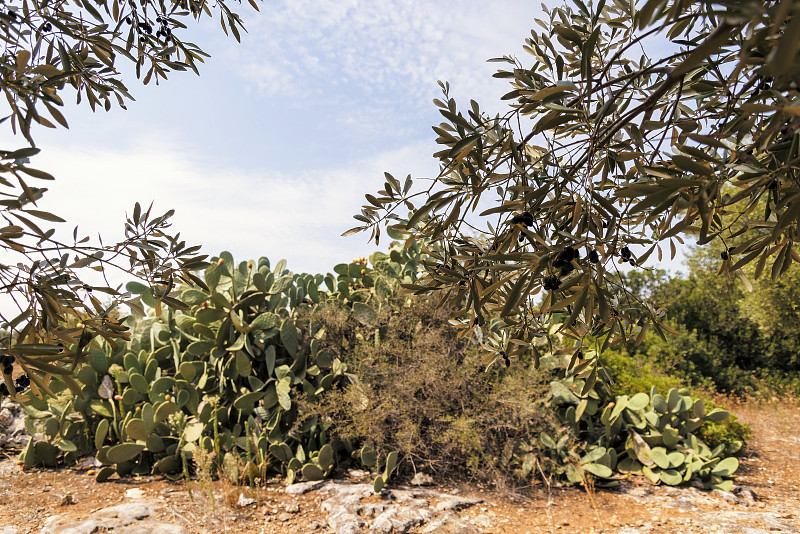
(304, 487)
(422, 479)
(134, 493)
(244, 501)
(745, 494)
(450, 524)
(360, 490)
(128, 512)
(88, 526)
(726, 495)
(373, 509)
(399, 520)
(151, 527)
(451, 502)
(346, 523)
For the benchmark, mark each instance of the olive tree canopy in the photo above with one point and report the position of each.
(630, 125)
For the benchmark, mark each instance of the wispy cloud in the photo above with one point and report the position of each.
(387, 53)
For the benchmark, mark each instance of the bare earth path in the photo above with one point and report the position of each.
(68, 501)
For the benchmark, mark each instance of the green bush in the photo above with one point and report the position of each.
(731, 434)
(730, 339)
(634, 374)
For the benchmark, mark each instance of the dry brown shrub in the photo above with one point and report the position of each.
(419, 390)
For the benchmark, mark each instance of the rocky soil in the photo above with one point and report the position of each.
(68, 501)
(12, 426)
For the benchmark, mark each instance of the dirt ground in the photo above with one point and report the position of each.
(770, 467)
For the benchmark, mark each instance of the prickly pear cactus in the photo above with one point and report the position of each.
(647, 434)
(226, 374)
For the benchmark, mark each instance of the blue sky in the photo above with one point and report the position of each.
(269, 152)
(271, 149)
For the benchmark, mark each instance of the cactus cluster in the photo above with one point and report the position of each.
(644, 434)
(228, 374)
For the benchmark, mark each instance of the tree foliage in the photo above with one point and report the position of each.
(632, 125)
(52, 46)
(53, 310)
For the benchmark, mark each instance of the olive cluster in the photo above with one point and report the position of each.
(46, 27)
(20, 384)
(564, 259)
(164, 32)
(625, 252)
(551, 283)
(563, 262)
(145, 27)
(6, 361)
(525, 219)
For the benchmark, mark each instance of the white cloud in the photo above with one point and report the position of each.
(299, 216)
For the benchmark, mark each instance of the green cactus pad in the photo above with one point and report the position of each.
(639, 401)
(725, 467)
(368, 456)
(312, 472)
(124, 452)
(670, 477)
(104, 474)
(598, 470)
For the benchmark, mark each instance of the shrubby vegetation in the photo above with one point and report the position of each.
(274, 373)
(731, 339)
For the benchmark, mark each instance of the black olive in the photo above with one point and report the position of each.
(551, 283)
(567, 254)
(593, 256)
(525, 219)
(724, 254)
(625, 252)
